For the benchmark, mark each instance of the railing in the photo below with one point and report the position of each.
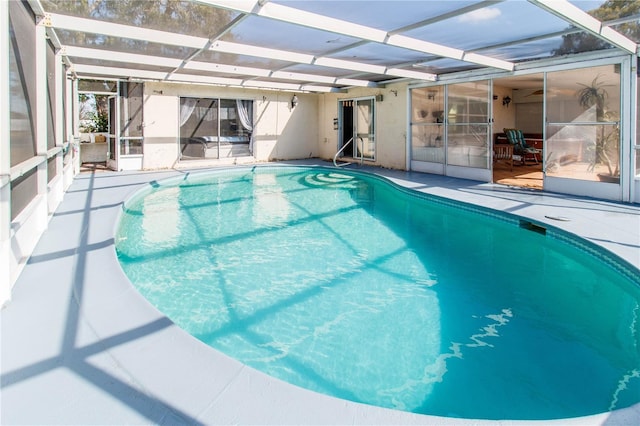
(361, 150)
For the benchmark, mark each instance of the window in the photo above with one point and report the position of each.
(215, 128)
(22, 76)
(51, 96)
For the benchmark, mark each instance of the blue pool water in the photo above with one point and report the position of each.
(343, 283)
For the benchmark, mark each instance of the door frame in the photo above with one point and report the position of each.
(612, 191)
(444, 168)
(113, 144)
(353, 152)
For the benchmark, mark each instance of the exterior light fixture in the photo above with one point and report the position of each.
(294, 101)
(506, 101)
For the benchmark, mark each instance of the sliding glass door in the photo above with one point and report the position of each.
(582, 154)
(428, 129)
(215, 128)
(126, 125)
(468, 130)
(357, 121)
(450, 129)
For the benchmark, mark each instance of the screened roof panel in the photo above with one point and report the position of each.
(102, 42)
(578, 42)
(328, 42)
(375, 53)
(117, 64)
(258, 31)
(283, 81)
(624, 16)
(630, 29)
(500, 23)
(182, 17)
(97, 86)
(537, 49)
(444, 66)
(586, 5)
(382, 15)
(319, 70)
(208, 73)
(242, 60)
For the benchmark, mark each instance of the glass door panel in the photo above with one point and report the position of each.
(112, 140)
(357, 128)
(427, 124)
(131, 122)
(468, 146)
(364, 130)
(583, 113)
(199, 128)
(468, 124)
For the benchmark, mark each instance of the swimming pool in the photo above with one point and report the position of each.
(344, 284)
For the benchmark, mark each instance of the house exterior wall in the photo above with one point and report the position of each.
(281, 132)
(503, 116)
(390, 121)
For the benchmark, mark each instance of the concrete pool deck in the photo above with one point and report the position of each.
(79, 345)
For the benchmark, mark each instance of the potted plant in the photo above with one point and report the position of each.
(606, 143)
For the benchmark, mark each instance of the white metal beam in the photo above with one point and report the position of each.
(133, 58)
(125, 73)
(111, 55)
(73, 23)
(303, 58)
(261, 52)
(142, 74)
(338, 26)
(174, 39)
(581, 19)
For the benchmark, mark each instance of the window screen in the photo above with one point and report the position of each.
(22, 77)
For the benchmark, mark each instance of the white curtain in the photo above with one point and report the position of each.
(186, 109)
(245, 115)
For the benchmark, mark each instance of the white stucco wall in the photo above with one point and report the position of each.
(503, 116)
(161, 128)
(281, 132)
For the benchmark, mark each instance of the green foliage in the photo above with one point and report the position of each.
(98, 122)
(101, 122)
(594, 94)
(94, 113)
(607, 143)
(608, 11)
(182, 17)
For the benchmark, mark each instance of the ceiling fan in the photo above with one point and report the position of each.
(535, 93)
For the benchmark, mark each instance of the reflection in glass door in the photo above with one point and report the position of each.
(583, 131)
(468, 128)
(427, 129)
(364, 129)
(126, 126)
(450, 128)
(131, 123)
